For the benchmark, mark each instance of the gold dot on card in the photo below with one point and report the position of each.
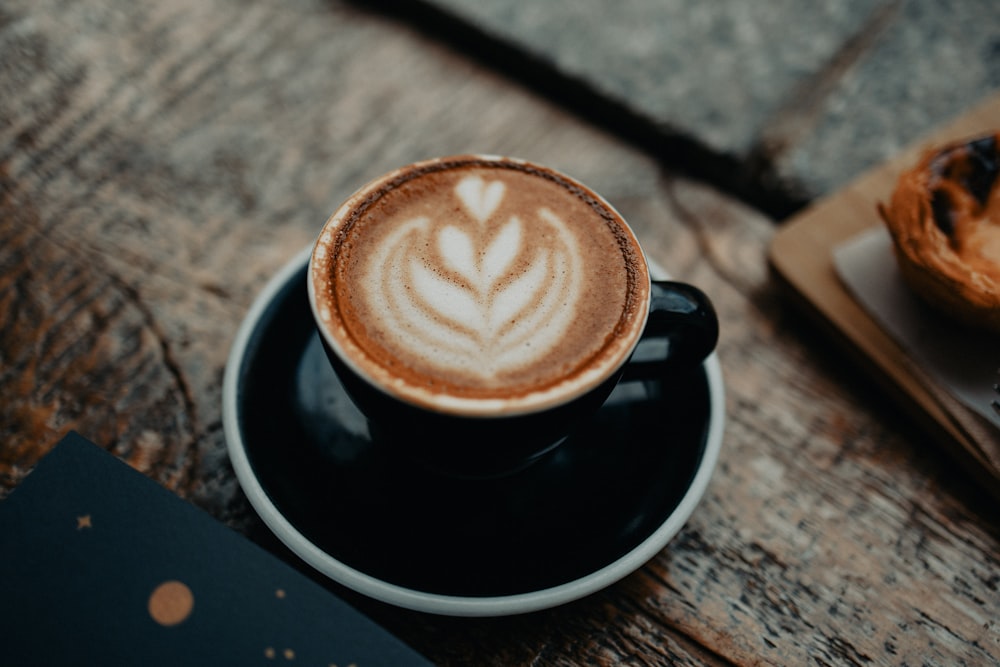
(171, 603)
(280, 593)
(269, 653)
(289, 654)
(83, 522)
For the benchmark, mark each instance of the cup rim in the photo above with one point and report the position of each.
(452, 605)
(471, 407)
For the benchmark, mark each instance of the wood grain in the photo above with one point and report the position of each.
(159, 161)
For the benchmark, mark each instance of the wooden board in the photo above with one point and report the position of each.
(800, 257)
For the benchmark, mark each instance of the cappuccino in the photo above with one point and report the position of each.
(479, 285)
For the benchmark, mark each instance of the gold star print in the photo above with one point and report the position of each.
(83, 522)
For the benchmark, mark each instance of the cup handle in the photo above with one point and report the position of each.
(683, 317)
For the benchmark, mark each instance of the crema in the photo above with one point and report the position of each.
(474, 282)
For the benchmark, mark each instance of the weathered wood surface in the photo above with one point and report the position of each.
(159, 161)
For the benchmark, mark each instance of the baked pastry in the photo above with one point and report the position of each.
(944, 219)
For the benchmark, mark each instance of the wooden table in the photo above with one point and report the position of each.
(160, 161)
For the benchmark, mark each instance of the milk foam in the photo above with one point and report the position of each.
(479, 304)
(480, 284)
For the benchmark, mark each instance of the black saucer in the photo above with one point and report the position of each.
(389, 528)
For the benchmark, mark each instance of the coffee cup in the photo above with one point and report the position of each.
(478, 309)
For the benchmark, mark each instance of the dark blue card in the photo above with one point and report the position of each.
(99, 565)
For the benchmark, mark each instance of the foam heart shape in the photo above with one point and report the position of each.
(480, 199)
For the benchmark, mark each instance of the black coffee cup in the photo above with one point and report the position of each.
(497, 438)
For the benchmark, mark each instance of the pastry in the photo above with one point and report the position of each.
(944, 219)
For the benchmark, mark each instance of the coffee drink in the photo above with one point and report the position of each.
(479, 285)
(489, 301)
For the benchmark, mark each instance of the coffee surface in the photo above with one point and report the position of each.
(480, 280)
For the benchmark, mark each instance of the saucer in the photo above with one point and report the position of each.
(592, 511)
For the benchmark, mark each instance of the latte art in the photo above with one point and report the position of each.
(497, 302)
(470, 281)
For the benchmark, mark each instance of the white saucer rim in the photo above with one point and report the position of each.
(449, 605)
